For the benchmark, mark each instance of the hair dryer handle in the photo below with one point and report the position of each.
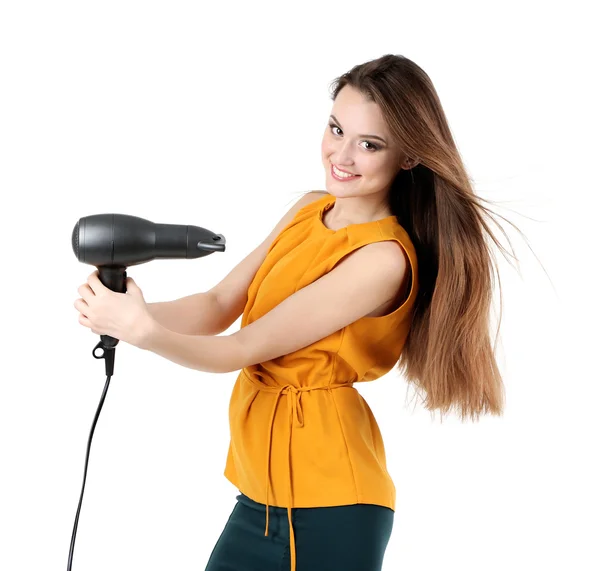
(115, 279)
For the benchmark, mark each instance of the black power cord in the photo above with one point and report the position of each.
(85, 471)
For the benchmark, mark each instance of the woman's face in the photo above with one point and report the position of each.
(346, 146)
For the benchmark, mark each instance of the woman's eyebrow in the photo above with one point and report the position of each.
(369, 136)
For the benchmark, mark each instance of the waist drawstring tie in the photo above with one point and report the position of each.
(295, 413)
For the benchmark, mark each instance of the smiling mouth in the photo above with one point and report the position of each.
(341, 175)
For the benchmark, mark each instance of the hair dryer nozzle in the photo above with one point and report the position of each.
(217, 244)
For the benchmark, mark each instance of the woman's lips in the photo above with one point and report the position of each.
(345, 179)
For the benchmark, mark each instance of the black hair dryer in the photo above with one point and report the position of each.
(112, 242)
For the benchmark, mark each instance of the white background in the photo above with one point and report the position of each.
(193, 113)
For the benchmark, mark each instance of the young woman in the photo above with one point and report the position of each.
(390, 265)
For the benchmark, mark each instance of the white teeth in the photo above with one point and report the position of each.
(341, 174)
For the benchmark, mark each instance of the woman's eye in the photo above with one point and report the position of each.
(373, 146)
(332, 126)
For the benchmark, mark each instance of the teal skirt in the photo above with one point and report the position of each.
(337, 538)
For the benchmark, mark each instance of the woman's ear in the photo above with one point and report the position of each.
(414, 162)
(408, 163)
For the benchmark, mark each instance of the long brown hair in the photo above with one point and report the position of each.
(448, 356)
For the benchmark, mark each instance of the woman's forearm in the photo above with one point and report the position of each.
(197, 314)
(211, 354)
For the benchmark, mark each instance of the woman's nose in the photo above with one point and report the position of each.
(344, 154)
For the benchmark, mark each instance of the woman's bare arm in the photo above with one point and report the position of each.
(196, 314)
(214, 311)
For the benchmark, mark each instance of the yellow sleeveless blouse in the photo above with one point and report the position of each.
(321, 445)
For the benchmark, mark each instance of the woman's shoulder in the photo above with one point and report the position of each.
(314, 195)
(309, 200)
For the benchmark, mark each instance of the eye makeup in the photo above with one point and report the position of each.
(374, 147)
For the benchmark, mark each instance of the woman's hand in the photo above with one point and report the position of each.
(124, 316)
